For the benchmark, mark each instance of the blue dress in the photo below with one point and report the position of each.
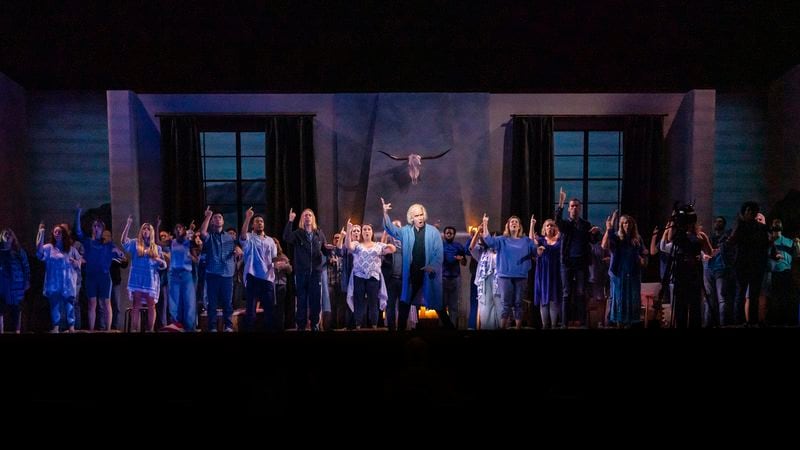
(626, 280)
(547, 282)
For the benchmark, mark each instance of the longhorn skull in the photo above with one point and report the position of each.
(414, 163)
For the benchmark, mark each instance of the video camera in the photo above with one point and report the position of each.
(683, 215)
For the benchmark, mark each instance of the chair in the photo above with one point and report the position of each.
(649, 294)
(142, 320)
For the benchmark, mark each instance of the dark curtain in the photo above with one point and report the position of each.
(183, 193)
(532, 169)
(291, 177)
(643, 171)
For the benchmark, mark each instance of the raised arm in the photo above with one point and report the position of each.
(40, 236)
(705, 243)
(78, 229)
(532, 231)
(350, 245)
(390, 248)
(206, 219)
(609, 227)
(653, 243)
(388, 226)
(288, 237)
(124, 238)
(248, 216)
(474, 241)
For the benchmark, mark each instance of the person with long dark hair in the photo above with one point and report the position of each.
(15, 279)
(62, 269)
(628, 256)
(98, 254)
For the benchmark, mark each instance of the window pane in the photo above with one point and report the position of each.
(574, 189)
(568, 143)
(253, 144)
(219, 144)
(604, 166)
(254, 193)
(219, 168)
(568, 166)
(254, 168)
(603, 191)
(604, 142)
(597, 214)
(221, 192)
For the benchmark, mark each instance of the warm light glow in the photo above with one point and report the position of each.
(425, 313)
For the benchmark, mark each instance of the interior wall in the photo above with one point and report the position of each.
(741, 140)
(67, 153)
(14, 205)
(351, 129)
(783, 151)
(502, 106)
(146, 106)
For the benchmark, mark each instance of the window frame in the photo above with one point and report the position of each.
(238, 181)
(586, 200)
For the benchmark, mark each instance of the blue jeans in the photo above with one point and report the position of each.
(219, 290)
(182, 303)
(57, 301)
(309, 291)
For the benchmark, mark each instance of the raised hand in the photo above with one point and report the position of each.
(130, 219)
(655, 231)
(249, 213)
(41, 225)
(533, 221)
(208, 213)
(562, 196)
(292, 215)
(192, 225)
(386, 206)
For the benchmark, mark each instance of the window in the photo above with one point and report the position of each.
(588, 165)
(234, 173)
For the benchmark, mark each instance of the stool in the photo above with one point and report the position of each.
(202, 320)
(142, 319)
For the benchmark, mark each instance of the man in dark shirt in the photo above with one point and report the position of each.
(455, 256)
(575, 259)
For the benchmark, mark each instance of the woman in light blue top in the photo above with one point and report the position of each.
(514, 253)
(63, 264)
(144, 281)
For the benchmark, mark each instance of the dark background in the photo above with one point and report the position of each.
(450, 46)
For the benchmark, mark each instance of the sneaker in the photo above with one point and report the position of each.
(228, 330)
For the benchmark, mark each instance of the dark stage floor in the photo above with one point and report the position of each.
(381, 371)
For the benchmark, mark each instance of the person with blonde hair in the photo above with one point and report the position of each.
(310, 252)
(547, 280)
(144, 281)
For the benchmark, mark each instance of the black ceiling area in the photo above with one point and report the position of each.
(443, 46)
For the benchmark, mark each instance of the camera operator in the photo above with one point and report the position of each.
(685, 242)
(750, 238)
